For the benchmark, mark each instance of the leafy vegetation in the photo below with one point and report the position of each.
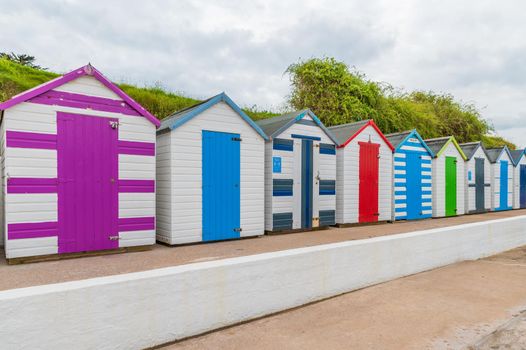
(338, 95)
(334, 92)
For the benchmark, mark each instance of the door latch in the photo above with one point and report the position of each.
(114, 238)
(114, 124)
(236, 138)
(238, 229)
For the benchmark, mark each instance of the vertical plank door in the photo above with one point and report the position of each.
(522, 187)
(87, 183)
(479, 185)
(368, 184)
(414, 185)
(306, 183)
(503, 202)
(221, 185)
(451, 186)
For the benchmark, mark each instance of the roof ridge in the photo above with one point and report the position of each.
(349, 124)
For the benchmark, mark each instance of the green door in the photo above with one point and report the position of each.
(451, 186)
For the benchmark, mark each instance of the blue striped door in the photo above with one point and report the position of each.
(306, 183)
(221, 180)
(503, 185)
(413, 185)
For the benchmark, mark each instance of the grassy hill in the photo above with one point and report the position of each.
(15, 78)
(334, 93)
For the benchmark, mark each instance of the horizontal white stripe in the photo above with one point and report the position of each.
(425, 165)
(17, 248)
(399, 155)
(136, 238)
(400, 172)
(400, 205)
(400, 197)
(400, 214)
(426, 173)
(401, 180)
(399, 163)
(427, 212)
(427, 196)
(34, 207)
(426, 181)
(400, 188)
(413, 148)
(30, 162)
(426, 157)
(136, 205)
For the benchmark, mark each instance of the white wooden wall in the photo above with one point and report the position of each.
(186, 171)
(495, 181)
(163, 184)
(439, 182)
(347, 193)
(268, 187)
(471, 191)
(22, 162)
(3, 179)
(323, 164)
(517, 183)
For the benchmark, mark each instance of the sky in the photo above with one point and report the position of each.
(474, 50)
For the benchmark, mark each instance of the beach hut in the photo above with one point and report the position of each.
(501, 178)
(412, 176)
(78, 168)
(210, 174)
(519, 179)
(448, 176)
(300, 172)
(364, 183)
(477, 178)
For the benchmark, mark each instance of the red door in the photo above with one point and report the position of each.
(368, 184)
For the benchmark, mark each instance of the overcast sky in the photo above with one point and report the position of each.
(475, 50)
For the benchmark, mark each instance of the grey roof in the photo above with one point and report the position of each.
(397, 137)
(346, 131)
(470, 148)
(437, 144)
(494, 153)
(516, 155)
(272, 125)
(172, 118)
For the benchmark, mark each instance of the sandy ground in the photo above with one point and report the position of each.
(17, 276)
(454, 307)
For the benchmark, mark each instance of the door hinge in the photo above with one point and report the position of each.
(114, 238)
(376, 214)
(236, 139)
(238, 229)
(114, 124)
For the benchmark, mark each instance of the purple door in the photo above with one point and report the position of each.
(87, 176)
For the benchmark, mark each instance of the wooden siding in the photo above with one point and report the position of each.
(470, 204)
(495, 181)
(164, 188)
(186, 183)
(348, 172)
(42, 163)
(324, 164)
(439, 182)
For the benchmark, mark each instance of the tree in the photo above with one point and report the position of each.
(338, 95)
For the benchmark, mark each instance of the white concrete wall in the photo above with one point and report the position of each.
(186, 171)
(495, 182)
(470, 192)
(439, 181)
(323, 164)
(517, 183)
(139, 310)
(349, 172)
(25, 162)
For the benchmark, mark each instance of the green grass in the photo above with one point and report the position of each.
(16, 78)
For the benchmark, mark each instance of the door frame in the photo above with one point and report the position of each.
(227, 220)
(414, 167)
(451, 186)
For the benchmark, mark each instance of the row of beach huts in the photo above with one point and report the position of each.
(85, 168)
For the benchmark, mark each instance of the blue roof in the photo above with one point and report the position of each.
(398, 140)
(276, 125)
(180, 117)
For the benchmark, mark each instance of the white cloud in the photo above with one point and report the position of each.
(473, 49)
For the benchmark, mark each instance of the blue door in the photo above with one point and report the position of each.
(503, 185)
(306, 183)
(221, 178)
(522, 187)
(413, 185)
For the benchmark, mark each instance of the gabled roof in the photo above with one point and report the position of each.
(276, 125)
(397, 139)
(345, 133)
(180, 117)
(495, 153)
(439, 144)
(517, 155)
(470, 148)
(87, 70)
